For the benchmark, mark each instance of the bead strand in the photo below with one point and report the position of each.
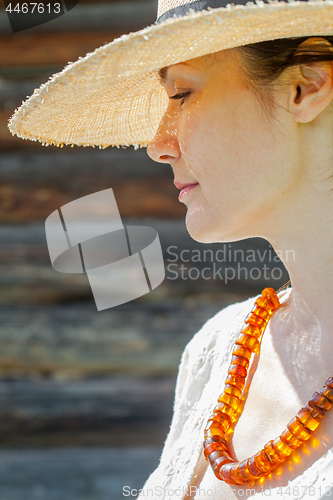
(226, 414)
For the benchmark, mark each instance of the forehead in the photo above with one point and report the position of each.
(193, 66)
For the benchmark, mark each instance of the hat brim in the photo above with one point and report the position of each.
(113, 97)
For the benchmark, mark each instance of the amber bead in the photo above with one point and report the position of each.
(282, 449)
(262, 462)
(272, 296)
(230, 400)
(244, 472)
(219, 462)
(237, 370)
(240, 350)
(233, 391)
(239, 360)
(225, 409)
(265, 303)
(290, 440)
(234, 473)
(225, 473)
(221, 420)
(213, 429)
(248, 341)
(309, 422)
(218, 454)
(262, 313)
(235, 380)
(298, 430)
(272, 454)
(253, 330)
(329, 382)
(255, 471)
(215, 439)
(319, 401)
(314, 411)
(253, 319)
(211, 448)
(327, 392)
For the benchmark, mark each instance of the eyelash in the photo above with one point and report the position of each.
(181, 96)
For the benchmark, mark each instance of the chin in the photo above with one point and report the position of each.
(205, 233)
(201, 232)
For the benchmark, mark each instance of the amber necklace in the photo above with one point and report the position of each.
(225, 413)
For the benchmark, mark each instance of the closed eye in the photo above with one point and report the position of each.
(181, 96)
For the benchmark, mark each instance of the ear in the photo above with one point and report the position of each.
(312, 83)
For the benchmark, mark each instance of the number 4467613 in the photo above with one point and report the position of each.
(31, 7)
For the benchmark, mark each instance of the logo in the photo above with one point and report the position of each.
(122, 262)
(26, 15)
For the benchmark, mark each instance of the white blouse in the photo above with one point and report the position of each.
(205, 360)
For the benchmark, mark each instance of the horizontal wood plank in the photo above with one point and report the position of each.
(217, 272)
(34, 184)
(88, 473)
(76, 340)
(43, 49)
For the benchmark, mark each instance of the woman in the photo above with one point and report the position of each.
(247, 129)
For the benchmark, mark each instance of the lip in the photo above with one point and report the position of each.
(185, 188)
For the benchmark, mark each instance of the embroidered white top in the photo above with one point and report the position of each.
(205, 361)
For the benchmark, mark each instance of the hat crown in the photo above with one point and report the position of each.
(166, 5)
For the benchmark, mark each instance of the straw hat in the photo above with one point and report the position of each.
(112, 96)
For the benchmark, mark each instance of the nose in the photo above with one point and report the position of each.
(164, 148)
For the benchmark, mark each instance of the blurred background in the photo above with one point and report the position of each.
(86, 396)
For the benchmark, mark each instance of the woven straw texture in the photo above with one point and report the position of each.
(112, 96)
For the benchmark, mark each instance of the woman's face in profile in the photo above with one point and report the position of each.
(218, 138)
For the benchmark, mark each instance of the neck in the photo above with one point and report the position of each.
(303, 327)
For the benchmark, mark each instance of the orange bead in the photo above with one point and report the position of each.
(270, 293)
(237, 370)
(317, 413)
(262, 313)
(225, 409)
(327, 392)
(244, 472)
(215, 439)
(218, 455)
(222, 419)
(289, 439)
(239, 360)
(234, 473)
(265, 303)
(233, 391)
(219, 462)
(255, 320)
(213, 429)
(225, 473)
(230, 400)
(255, 471)
(211, 448)
(236, 381)
(253, 330)
(282, 449)
(298, 430)
(329, 382)
(272, 454)
(309, 422)
(262, 462)
(319, 401)
(248, 341)
(242, 351)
